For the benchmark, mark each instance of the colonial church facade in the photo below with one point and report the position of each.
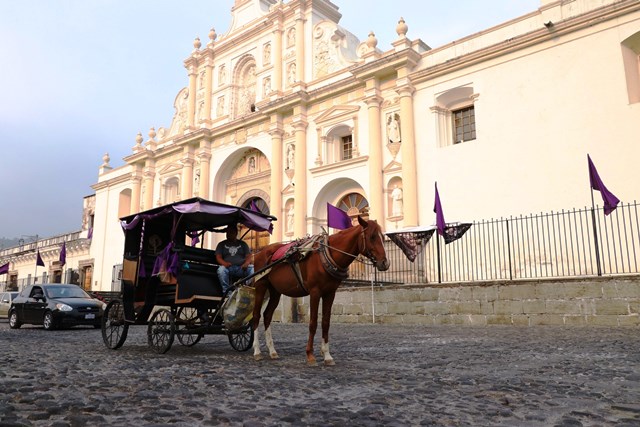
(290, 111)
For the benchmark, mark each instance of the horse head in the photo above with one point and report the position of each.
(373, 244)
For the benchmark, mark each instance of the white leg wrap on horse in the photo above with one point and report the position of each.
(324, 348)
(256, 345)
(269, 340)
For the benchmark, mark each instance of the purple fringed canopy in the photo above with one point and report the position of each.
(201, 214)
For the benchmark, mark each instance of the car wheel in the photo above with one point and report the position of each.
(49, 323)
(14, 323)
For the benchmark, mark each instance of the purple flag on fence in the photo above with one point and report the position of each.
(4, 269)
(609, 199)
(437, 208)
(337, 218)
(90, 233)
(253, 206)
(63, 254)
(39, 260)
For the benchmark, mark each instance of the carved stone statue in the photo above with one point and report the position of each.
(396, 197)
(291, 156)
(393, 128)
(290, 222)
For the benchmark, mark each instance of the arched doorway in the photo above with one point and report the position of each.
(255, 239)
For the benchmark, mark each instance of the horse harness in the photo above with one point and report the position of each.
(300, 249)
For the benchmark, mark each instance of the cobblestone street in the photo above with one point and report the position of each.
(388, 375)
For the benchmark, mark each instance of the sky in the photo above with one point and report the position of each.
(80, 78)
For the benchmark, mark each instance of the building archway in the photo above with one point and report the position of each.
(242, 179)
(344, 193)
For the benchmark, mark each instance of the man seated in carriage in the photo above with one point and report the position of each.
(233, 257)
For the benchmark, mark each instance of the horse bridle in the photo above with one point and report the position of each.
(361, 251)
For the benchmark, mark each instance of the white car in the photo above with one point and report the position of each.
(5, 302)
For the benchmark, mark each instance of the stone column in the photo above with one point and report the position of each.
(191, 107)
(136, 184)
(300, 173)
(408, 149)
(187, 173)
(277, 60)
(204, 155)
(376, 185)
(149, 175)
(277, 170)
(208, 84)
(300, 74)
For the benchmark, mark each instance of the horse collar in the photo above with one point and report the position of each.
(330, 266)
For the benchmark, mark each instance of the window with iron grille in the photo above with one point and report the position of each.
(347, 147)
(464, 124)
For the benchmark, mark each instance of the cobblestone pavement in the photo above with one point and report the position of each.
(387, 375)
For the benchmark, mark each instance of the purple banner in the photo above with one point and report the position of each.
(609, 199)
(337, 218)
(63, 254)
(437, 208)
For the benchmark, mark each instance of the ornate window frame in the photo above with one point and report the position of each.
(446, 103)
(331, 126)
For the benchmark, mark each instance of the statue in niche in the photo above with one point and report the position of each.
(196, 180)
(393, 128)
(291, 75)
(222, 75)
(291, 156)
(266, 54)
(290, 222)
(220, 107)
(396, 204)
(252, 165)
(247, 95)
(201, 84)
(266, 87)
(291, 37)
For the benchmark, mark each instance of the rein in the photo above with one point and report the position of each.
(331, 264)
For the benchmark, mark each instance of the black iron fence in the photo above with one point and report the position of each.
(582, 242)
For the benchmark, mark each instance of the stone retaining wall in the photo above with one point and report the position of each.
(606, 301)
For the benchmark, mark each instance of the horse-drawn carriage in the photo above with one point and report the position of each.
(170, 284)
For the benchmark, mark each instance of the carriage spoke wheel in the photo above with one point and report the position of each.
(188, 319)
(114, 326)
(242, 339)
(161, 331)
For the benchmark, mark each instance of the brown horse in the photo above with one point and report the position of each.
(320, 274)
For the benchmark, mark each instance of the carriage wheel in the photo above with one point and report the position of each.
(114, 326)
(187, 319)
(242, 339)
(161, 331)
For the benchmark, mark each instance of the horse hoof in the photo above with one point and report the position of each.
(257, 357)
(274, 356)
(329, 362)
(312, 363)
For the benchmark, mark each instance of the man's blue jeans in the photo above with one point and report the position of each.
(236, 271)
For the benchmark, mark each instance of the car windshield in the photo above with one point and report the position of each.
(66, 292)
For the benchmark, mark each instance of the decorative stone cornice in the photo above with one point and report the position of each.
(533, 38)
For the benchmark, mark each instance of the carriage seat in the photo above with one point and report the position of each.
(197, 275)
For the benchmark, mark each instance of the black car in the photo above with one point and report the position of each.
(55, 306)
